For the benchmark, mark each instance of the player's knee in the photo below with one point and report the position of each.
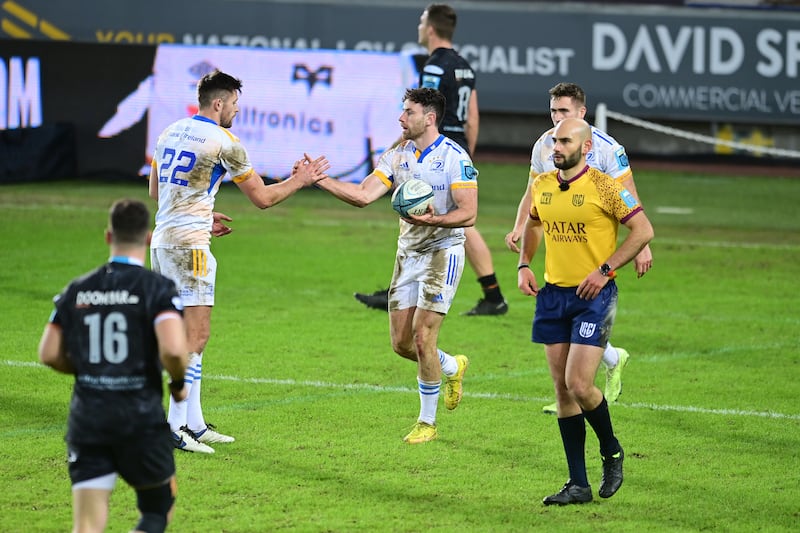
(155, 505)
(405, 349)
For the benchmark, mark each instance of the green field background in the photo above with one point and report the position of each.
(304, 376)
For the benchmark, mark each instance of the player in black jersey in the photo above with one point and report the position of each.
(453, 76)
(115, 328)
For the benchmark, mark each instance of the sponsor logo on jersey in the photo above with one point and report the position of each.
(433, 69)
(562, 231)
(464, 74)
(89, 298)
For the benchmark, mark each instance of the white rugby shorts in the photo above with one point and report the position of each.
(428, 281)
(194, 271)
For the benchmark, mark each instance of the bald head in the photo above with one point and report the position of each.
(573, 140)
(577, 128)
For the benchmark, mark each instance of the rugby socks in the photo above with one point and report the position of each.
(194, 414)
(573, 437)
(448, 362)
(600, 420)
(491, 288)
(177, 412)
(428, 400)
(610, 356)
(182, 413)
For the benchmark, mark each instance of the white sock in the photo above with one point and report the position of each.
(610, 356)
(448, 362)
(194, 412)
(176, 417)
(428, 400)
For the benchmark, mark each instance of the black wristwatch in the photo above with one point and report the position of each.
(605, 269)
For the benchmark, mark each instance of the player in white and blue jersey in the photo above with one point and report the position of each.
(449, 73)
(191, 157)
(430, 247)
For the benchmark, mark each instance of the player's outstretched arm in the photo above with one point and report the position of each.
(264, 196)
(356, 194)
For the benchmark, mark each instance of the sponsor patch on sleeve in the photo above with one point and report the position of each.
(431, 82)
(622, 157)
(468, 172)
(628, 198)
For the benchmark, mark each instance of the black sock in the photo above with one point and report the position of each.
(491, 289)
(573, 437)
(600, 420)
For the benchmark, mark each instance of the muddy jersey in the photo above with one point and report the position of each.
(445, 166)
(191, 157)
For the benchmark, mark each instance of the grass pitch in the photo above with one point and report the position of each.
(305, 378)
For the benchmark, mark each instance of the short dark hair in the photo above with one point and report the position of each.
(215, 85)
(432, 101)
(569, 90)
(442, 18)
(129, 222)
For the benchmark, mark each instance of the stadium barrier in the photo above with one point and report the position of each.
(602, 114)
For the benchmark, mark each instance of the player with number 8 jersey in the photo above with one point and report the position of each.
(192, 155)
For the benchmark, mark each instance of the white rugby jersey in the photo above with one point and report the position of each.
(607, 155)
(445, 166)
(191, 157)
(342, 104)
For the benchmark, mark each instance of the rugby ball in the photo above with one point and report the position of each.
(412, 197)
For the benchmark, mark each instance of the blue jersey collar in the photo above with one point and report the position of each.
(204, 119)
(126, 260)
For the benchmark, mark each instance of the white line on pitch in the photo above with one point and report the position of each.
(485, 395)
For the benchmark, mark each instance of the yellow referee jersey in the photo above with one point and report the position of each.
(580, 223)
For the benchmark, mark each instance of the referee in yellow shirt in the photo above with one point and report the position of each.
(579, 209)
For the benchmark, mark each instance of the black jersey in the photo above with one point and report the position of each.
(107, 318)
(450, 73)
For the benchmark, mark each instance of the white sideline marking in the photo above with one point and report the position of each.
(484, 395)
(671, 210)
